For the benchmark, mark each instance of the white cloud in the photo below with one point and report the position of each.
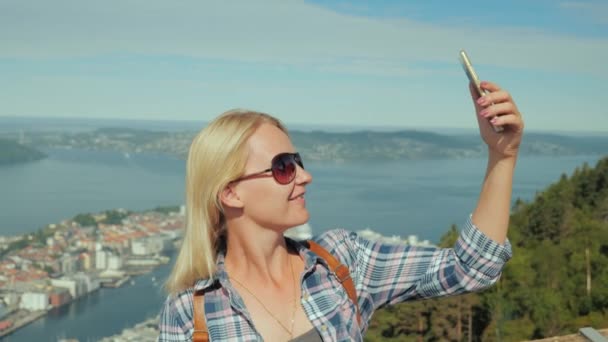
(286, 32)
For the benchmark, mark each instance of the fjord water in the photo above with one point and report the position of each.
(421, 197)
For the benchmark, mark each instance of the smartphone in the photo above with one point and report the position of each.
(472, 75)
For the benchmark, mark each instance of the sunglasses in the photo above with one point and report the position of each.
(283, 167)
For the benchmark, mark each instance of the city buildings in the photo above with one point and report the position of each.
(69, 260)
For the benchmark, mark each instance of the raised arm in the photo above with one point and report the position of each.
(388, 274)
(491, 216)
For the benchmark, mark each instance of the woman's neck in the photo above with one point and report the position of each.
(257, 254)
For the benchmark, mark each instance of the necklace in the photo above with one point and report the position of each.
(293, 313)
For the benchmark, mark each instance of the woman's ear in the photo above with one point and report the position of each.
(229, 197)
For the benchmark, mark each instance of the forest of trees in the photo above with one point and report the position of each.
(556, 283)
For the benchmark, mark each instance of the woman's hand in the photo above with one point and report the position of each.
(497, 108)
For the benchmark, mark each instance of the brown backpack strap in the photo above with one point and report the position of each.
(200, 333)
(341, 272)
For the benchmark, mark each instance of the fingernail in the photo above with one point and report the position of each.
(481, 100)
(494, 120)
(484, 112)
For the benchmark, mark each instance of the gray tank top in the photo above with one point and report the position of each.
(311, 336)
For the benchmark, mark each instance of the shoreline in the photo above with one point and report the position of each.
(33, 316)
(52, 271)
(30, 318)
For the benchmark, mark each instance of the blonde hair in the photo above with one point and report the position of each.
(217, 156)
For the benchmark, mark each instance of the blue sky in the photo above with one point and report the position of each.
(383, 63)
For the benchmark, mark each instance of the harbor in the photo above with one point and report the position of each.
(22, 319)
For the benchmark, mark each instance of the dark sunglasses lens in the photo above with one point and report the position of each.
(298, 160)
(284, 168)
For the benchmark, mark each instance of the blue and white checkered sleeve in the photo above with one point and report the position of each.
(388, 274)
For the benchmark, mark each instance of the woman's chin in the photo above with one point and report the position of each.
(304, 219)
(300, 220)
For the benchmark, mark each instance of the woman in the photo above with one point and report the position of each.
(245, 187)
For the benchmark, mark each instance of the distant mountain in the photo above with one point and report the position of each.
(330, 146)
(369, 145)
(12, 152)
(541, 143)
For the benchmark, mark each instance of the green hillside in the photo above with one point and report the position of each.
(556, 283)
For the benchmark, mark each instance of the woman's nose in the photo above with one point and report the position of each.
(303, 176)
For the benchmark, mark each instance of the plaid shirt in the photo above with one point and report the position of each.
(383, 274)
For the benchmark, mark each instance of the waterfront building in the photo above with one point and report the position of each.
(90, 283)
(34, 301)
(171, 235)
(59, 297)
(149, 246)
(101, 259)
(76, 286)
(115, 262)
(411, 240)
(10, 298)
(146, 331)
(375, 236)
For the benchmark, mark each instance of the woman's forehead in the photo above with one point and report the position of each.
(266, 142)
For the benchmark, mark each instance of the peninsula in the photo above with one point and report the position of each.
(11, 152)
